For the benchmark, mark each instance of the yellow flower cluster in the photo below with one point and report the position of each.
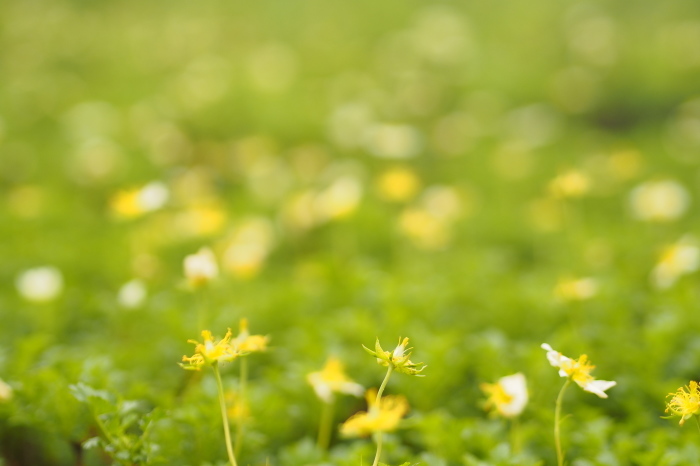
(398, 359)
(211, 352)
(685, 402)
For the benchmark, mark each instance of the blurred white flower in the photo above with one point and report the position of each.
(676, 260)
(132, 294)
(340, 199)
(508, 396)
(201, 268)
(659, 201)
(393, 141)
(40, 284)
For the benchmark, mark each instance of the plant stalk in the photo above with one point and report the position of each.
(224, 417)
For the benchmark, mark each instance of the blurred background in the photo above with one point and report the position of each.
(481, 177)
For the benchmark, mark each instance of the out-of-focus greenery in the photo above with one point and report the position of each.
(445, 171)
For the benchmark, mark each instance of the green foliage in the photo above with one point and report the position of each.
(124, 426)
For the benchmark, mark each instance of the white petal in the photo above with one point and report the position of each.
(598, 387)
(555, 358)
(516, 387)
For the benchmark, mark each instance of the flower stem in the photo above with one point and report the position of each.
(243, 385)
(697, 421)
(222, 404)
(515, 435)
(325, 426)
(557, 421)
(383, 386)
(378, 438)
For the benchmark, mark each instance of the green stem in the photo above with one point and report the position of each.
(241, 401)
(202, 307)
(325, 426)
(557, 421)
(697, 421)
(378, 439)
(222, 404)
(515, 435)
(103, 428)
(383, 385)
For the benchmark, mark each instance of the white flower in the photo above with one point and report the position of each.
(40, 284)
(659, 201)
(132, 294)
(578, 370)
(201, 268)
(677, 260)
(508, 396)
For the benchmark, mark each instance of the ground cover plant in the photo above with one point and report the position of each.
(208, 208)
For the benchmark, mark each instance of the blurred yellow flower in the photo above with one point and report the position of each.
(572, 183)
(398, 184)
(5, 391)
(135, 202)
(209, 352)
(247, 249)
(508, 396)
(238, 408)
(383, 417)
(332, 379)
(424, 229)
(676, 260)
(247, 343)
(201, 268)
(200, 220)
(576, 289)
(685, 402)
(578, 370)
(398, 359)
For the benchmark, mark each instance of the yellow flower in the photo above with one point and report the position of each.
(332, 379)
(508, 396)
(135, 202)
(210, 352)
(237, 408)
(383, 417)
(247, 343)
(576, 289)
(398, 184)
(578, 370)
(398, 359)
(5, 391)
(570, 184)
(685, 402)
